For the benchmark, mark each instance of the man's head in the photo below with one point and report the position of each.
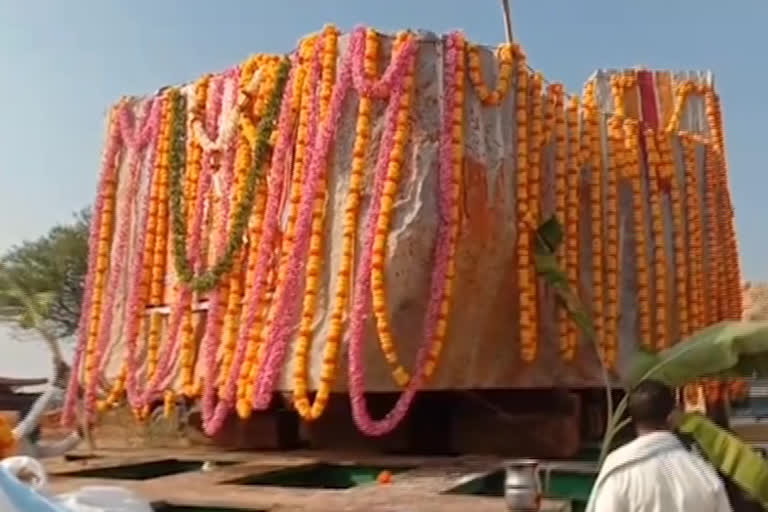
(650, 405)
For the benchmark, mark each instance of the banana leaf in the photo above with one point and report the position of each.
(549, 236)
(726, 348)
(730, 456)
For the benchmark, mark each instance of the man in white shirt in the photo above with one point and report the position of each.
(655, 472)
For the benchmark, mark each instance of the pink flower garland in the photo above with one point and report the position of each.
(443, 248)
(381, 87)
(290, 293)
(107, 175)
(212, 336)
(135, 304)
(136, 138)
(169, 353)
(215, 414)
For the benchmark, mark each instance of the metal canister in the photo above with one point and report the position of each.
(522, 486)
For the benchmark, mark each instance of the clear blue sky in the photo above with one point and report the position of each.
(62, 63)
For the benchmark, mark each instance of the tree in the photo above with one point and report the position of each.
(49, 271)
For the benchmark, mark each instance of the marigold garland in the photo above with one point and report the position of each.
(194, 168)
(100, 238)
(679, 236)
(312, 276)
(331, 350)
(247, 332)
(230, 193)
(525, 223)
(694, 223)
(655, 175)
(682, 92)
(596, 188)
(715, 239)
(208, 280)
(572, 223)
(616, 170)
(313, 69)
(139, 399)
(150, 238)
(311, 116)
(260, 275)
(733, 293)
(506, 56)
(214, 414)
(634, 173)
(384, 221)
(234, 287)
(301, 98)
(620, 84)
(137, 136)
(160, 249)
(548, 113)
(536, 148)
(287, 295)
(435, 325)
(561, 194)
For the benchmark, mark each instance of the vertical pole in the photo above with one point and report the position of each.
(507, 19)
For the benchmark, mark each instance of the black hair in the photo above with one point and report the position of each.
(650, 404)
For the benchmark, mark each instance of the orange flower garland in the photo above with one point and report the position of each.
(326, 80)
(717, 290)
(682, 92)
(561, 193)
(160, 166)
(659, 240)
(525, 224)
(169, 404)
(331, 349)
(330, 53)
(233, 291)
(102, 262)
(734, 296)
(634, 173)
(694, 219)
(620, 84)
(300, 103)
(572, 223)
(243, 150)
(548, 112)
(384, 221)
(506, 56)
(597, 234)
(188, 353)
(678, 225)
(536, 147)
(616, 171)
(313, 271)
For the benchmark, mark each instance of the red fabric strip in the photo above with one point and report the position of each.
(648, 99)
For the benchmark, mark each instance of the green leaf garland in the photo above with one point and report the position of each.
(211, 278)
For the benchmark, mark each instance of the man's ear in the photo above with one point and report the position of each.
(675, 418)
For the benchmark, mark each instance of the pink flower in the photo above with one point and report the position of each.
(213, 417)
(443, 248)
(108, 172)
(288, 295)
(136, 139)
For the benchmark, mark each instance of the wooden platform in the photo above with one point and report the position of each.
(419, 489)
